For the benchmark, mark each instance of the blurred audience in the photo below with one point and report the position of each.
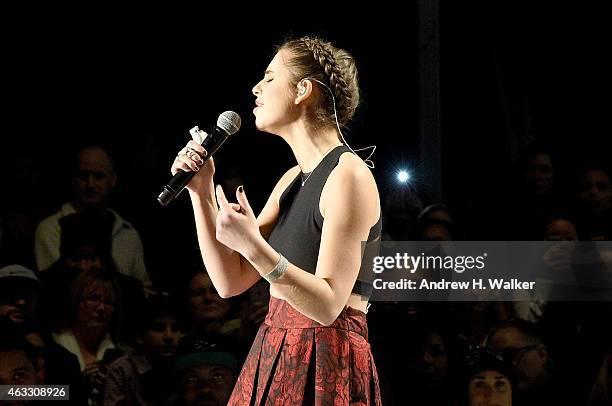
(146, 377)
(601, 392)
(82, 319)
(86, 245)
(93, 180)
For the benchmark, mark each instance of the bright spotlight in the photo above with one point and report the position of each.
(403, 176)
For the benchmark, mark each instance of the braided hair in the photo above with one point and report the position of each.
(315, 58)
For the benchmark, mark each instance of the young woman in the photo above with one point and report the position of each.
(307, 242)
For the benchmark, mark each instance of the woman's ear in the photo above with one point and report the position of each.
(301, 89)
(304, 88)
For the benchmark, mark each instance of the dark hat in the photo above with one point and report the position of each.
(489, 359)
(209, 350)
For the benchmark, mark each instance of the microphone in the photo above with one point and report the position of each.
(227, 124)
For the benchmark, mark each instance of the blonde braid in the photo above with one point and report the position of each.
(323, 54)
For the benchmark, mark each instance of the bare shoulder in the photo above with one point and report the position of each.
(351, 181)
(284, 181)
(351, 168)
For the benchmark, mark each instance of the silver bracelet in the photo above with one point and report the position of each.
(278, 270)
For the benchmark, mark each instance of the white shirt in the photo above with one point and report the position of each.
(127, 250)
(67, 340)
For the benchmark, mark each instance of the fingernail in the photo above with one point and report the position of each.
(205, 152)
(240, 189)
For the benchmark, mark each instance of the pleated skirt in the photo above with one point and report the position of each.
(296, 361)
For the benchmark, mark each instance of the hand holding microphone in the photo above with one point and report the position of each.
(191, 160)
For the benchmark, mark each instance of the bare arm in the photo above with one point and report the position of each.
(229, 271)
(223, 264)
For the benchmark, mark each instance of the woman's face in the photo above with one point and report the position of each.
(97, 305)
(205, 302)
(490, 388)
(275, 103)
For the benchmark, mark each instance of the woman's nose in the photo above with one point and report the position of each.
(255, 89)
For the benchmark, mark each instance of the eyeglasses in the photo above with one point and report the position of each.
(96, 300)
(515, 354)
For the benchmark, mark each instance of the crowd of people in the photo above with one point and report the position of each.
(78, 306)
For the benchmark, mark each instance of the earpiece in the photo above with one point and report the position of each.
(301, 90)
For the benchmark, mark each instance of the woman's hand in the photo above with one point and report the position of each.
(237, 226)
(95, 374)
(190, 159)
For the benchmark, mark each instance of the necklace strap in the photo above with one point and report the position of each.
(322, 158)
(305, 177)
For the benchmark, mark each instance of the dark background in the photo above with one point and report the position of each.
(137, 81)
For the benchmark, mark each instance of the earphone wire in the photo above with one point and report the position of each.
(369, 163)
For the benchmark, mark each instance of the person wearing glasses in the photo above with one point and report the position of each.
(92, 334)
(521, 342)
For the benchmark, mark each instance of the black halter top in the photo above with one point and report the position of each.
(297, 232)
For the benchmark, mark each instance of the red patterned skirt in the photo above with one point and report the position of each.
(297, 361)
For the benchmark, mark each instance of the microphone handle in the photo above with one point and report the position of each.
(175, 186)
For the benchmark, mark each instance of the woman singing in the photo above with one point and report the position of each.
(312, 347)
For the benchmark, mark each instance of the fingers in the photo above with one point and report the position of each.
(191, 160)
(242, 199)
(191, 157)
(222, 200)
(197, 148)
(179, 166)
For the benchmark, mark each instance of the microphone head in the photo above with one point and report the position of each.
(229, 122)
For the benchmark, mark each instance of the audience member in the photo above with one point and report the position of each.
(18, 362)
(490, 379)
(146, 377)
(560, 228)
(536, 195)
(538, 381)
(56, 365)
(210, 313)
(594, 211)
(19, 288)
(93, 181)
(206, 371)
(95, 314)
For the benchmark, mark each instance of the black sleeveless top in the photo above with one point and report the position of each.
(297, 232)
